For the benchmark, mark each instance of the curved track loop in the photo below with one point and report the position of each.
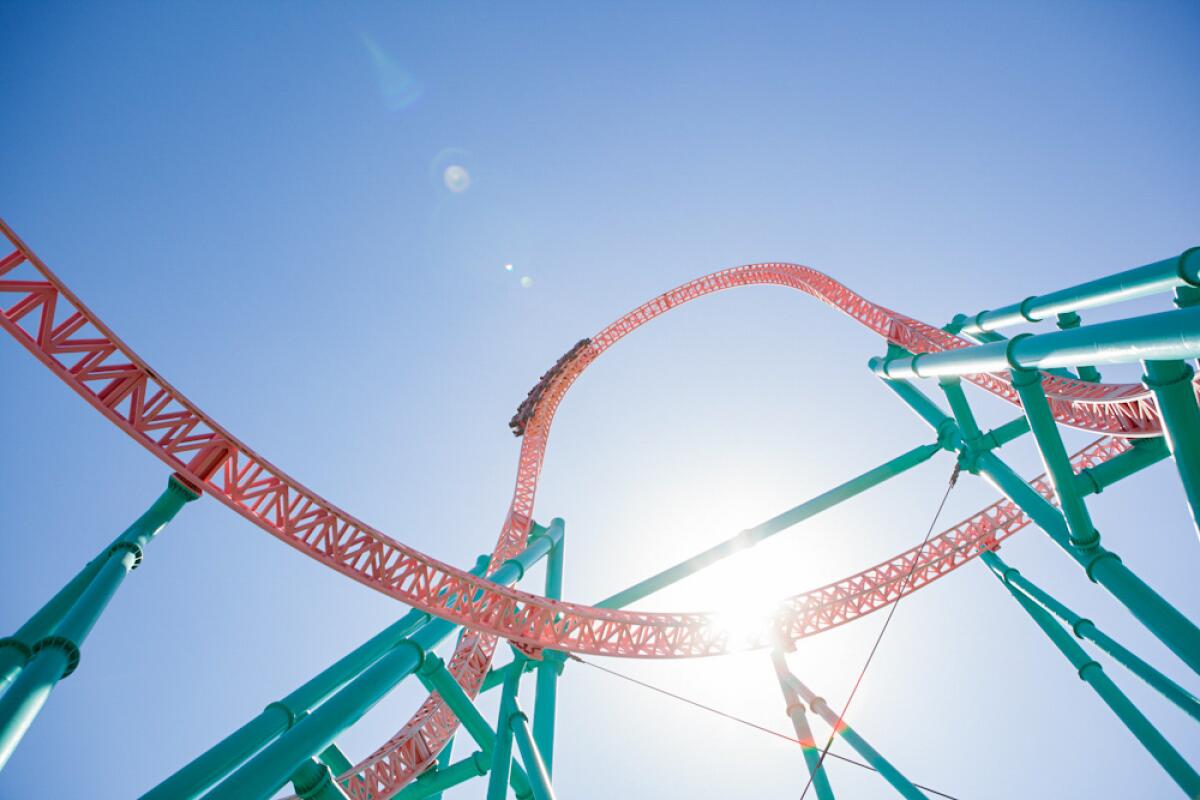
(57, 328)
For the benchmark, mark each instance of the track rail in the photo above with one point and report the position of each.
(43, 314)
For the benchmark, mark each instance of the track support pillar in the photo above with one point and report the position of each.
(61, 626)
(795, 712)
(1171, 382)
(1092, 673)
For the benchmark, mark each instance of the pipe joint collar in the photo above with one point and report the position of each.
(132, 547)
(1010, 356)
(292, 716)
(60, 643)
(1025, 312)
(1100, 556)
(16, 644)
(1189, 266)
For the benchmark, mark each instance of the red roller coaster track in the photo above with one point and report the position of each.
(71, 341)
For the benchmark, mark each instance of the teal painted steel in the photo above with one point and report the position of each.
(1161, 618)
(1084, 628)
(314, 781)
(948, 434)
(967, 426)
(545, 708)
(1171, 382)
(535, 766)
(497, 788)
(1067, 321)
(434, 675)
(217, 762)
(262, 775)
(16, 649)
(435, 781)
(1054, 456)
(1091, 672)
(443, 761)
(56, 654)
(872, 756)
(752, 536)
(1161, 276)
(808, 745)
(1145, 453)
(1164, 336)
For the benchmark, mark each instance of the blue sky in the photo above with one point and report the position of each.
(253, 197)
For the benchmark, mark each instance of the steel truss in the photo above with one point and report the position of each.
(1052, 376)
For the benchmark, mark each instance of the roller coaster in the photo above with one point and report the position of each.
(1052, 377)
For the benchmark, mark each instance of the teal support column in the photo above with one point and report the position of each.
(1171, 382)
(1161, 618)
(546, 704)
(219, 760)
(885, 768)
(948, 434)
(752, 536)
(502, 753)
(261, 776)
(795, 712)
(1028, 384)
(1084, 628)
(1145, 453)
(1133, 719)
(1066, 321)
(56, 654)
(967, 426)
(436, 678)
(314, 781)
(539, 778)
(15, 650)
(433, 782)
(444, 759)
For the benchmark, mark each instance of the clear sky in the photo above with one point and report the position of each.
(254, 196)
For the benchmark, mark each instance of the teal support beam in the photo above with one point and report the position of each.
(539, 777)
(15, 650)
(436, 678)
(335, 759)
(1054, 456)
(219, 760)
(433, 782)
(967, 426)
(1164, 336)
(948, 435)
(443, 760)
(1161, 276)
(545, 708)
(497, 788)
(56, 654)
(314, 781)
(1171, 382)
(1145, 453)
(1003, 434)
(795, 712)
(261, 776)
(752, 536)
(1067, 321)
(869, 754)
(1084, 628)
(1168, 625)
(1133, 719)
(1102, 566)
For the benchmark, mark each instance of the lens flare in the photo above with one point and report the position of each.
(526, 281)
(456, 178)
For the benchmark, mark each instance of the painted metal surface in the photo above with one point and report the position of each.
(45, 317)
